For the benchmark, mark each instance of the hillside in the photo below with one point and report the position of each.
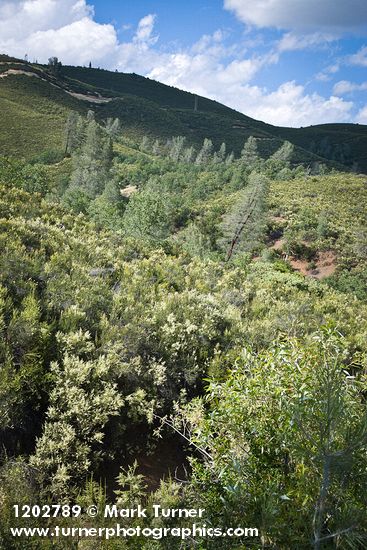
(123, 317)
(178, 324)
(35, 104)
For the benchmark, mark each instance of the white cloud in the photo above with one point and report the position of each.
(289, 105)
(301, 14)
(292, 41)
(145, 29)
(66, 28)
(345, 87)
(361, 117)
(328, 72)
(359, 58)
(19, 19)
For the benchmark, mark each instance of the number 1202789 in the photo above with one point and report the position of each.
(47, 511)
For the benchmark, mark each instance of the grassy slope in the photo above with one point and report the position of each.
(33, 115)
(34, 111)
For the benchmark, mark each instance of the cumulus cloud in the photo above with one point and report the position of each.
(346, 87)
(290, 105)
(64, 28)
(145, 30)
(296, 14)
(210, 67)
(22, 18)
(361, 117)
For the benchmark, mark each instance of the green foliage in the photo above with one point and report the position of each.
(249, 153)
(54, 66)
(205, 153)
(91, 148)
(34, 110)
(290, 433)
(83, 399)
(149, 215)
(326, 214)
(243, 225)
(117, 309)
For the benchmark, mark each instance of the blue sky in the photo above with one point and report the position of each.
(287, 62)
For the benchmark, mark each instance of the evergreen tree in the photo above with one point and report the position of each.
(145, 144)
(249, 154)
(156, 148)
(113, 127)
(243, 225)
(189, 155)
(222, 152)
(205, 153)
(92, 163)
(284, 153)
(230, 158)
(72, 140)
(176, 148)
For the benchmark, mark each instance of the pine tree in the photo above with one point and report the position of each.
(92, 163)
(176, 148)
(230, 158)
(113, 127)
(54, 66)
(284, 153)
(205, 153)
(243, 225)
(249, 154)
(145, 144)
(189, 154)
(71, 133)
(222, 152)
(156, 149)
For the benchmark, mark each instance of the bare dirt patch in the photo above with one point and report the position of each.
(90, 98)
(325, 265)
(128, 191)
(278, 219)
(17, 71)
(299, 265)
(278, 244)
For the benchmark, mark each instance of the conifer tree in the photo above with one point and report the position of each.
(176, 148)
(71, 133)
(205, 153)
(156, 149)
(92, 163)
(189, 154)
(284, 153)
(113, 127)
(243, 225)
(222, 152)
(249, 154)
(145, 144)
(230, 158)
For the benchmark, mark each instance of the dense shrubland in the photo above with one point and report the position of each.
(140, 293)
